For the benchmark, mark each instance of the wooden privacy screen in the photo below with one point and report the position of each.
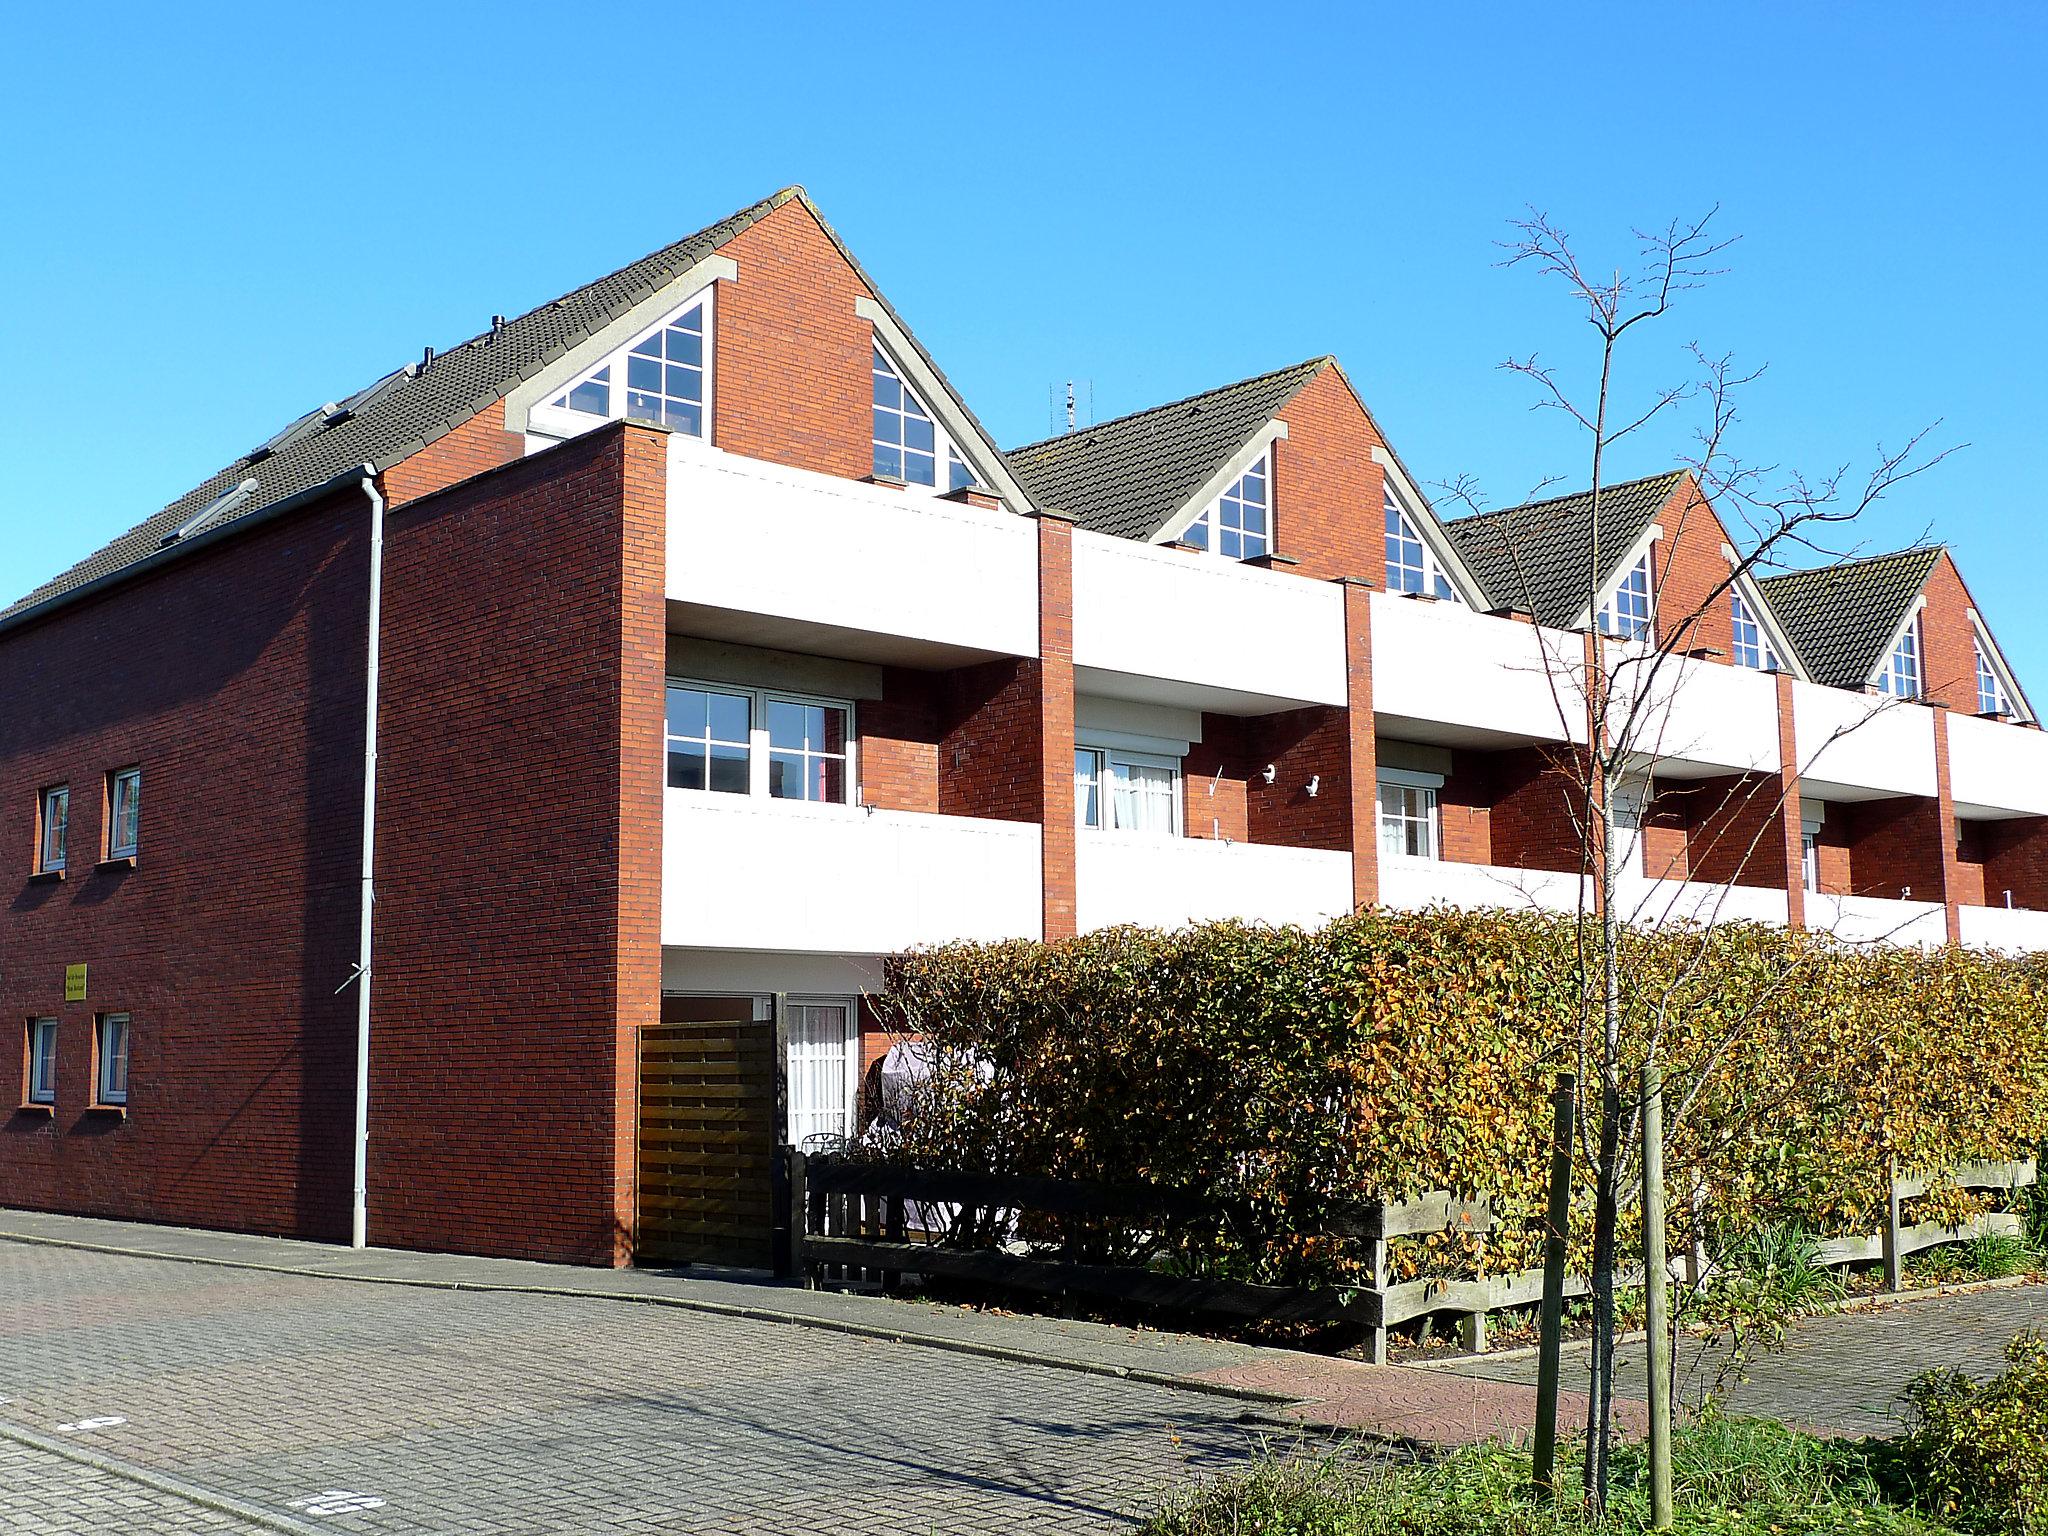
(707, 1143)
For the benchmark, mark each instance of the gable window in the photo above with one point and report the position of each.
(42, 1062)
(662, 376)
(1992, 699)
(1409, 821)
(755, 741)
(53, 826)
(1410, 565)
(1752, 645)
(908, 444)
(1627, 614)
(1238, 525)
(1121, 791)
(124, 813)
(1901, 675)
(110, 1050)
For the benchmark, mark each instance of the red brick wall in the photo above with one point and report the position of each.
(1687, 566)
(2014, 858)
(1831, 850)
(478, 444)
(1948, 891)
(1667, 848)
(517, 945)
(1893, 845)
(1736, 832)
(1056, 722)
(990, 741)
(1791, 814)
(235, 679)
(1465, 804)
(1215, 777)
(1536, 797)
(1301, 744)
(1950, 661)
(899, 741)
(1362, 741)
(1326, 485)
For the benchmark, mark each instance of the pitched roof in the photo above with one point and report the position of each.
(404, 411)
(1840, 618)
(1128, 476)
(1533, 557)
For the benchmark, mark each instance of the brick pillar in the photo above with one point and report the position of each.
(1056, 719)
(1593, 853)
(1790, 816)
(1945, 801)
(1362, 743)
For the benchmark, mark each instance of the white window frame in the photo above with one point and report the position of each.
(1610, 618)
(1108, 757)
(119, 847)
(1431, 577)
(1809, 861)
(106, 1089)
(1210, 519)
(53, 809)
(946, 454)
(2000, 698)
(1763, 656)
(42, 1061)
(849, 1106)
(1889, 681)
(567, 420)
(1386, 826)
(758, 749)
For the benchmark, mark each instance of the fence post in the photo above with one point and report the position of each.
(1556, 1229)
(814, 1221)
(1656, 1309)
(1376, 1256)
(1894, 1276)
(781, 1181)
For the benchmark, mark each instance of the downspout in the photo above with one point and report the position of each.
(360, 1211)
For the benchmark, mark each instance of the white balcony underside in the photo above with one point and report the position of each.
(743, 874)
(1169, 882)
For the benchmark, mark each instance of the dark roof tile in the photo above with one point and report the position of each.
(1534, 557)
(1840, 618)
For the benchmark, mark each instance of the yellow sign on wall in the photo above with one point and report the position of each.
(74, 983)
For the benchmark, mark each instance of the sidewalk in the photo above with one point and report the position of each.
(1284, 1387)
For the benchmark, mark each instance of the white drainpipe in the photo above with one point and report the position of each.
(360, 1215)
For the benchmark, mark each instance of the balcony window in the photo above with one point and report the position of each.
(54, 818)
(1410, 824)
(42, 1061)
(1752, 645)
(110, 1048)
(1992, 699)
(1809, 861)
(124, 813)
(1122, 791)
(824, 1072)
(1901, 675)
(1627, 614)
(756, 741)
(661, 376)
(1410, 565)
(1238, 525)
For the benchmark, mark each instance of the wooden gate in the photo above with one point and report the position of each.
(709, 1110)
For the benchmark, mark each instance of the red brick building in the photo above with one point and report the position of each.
(663, 658)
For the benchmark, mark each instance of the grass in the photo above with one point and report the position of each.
(1737, 1477)
(1989, 1256)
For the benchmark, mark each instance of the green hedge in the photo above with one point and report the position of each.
(1392, 1053)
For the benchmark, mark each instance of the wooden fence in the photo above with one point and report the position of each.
(847, 1221)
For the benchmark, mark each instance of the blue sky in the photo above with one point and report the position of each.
(220, 218)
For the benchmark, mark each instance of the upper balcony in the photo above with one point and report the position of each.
(1859, 746)
(1443, 674)
(1997, 768)
(763, 554)
(745, 873)
(1695, 718)
(1171, 627)
(1168, 882)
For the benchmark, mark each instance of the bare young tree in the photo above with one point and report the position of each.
(1617, 690)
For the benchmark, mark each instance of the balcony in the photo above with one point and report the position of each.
(740, 873)
(1441, 673)
(1704, 718)
(1169, 882)
(1167, 626)
(1647, 903)
(762, 554)
(1878, 920)
(1996, 766)
(2014, 930)
(1858, 746)
(1412, 884)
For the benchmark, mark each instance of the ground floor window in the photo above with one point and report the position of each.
(111, 1085)
(42, 1061)
(1126, 791)
(824, 1071)
(1409, 822)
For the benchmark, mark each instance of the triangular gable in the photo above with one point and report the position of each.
(1532, 558)
(1843, 620)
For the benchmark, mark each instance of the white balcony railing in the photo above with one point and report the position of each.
(1650, 903)
(1703, 713)
(2012, 929)
(1863, 741)
(786, 544)
(1169, 882)
(1412, 884)
(1878, 920)
(1442, 664)
(1998, 765)
(740, 873)
(1147, 612)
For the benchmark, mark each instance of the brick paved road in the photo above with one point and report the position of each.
(1843, 1373)
(516, 1414)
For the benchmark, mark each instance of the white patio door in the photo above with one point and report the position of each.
(824, 1068)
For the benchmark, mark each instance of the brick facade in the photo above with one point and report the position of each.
(1326, 483)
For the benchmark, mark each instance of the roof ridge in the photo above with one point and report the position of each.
(1530, 506)
(1167, 405)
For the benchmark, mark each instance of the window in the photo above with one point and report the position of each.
(42, 1061)
(110, 1050)
(1123, 791)
(1408, 822)
(55, 819)
(661, 376)
(751, 741)
(908, 443)
(1992, 699)
(1809, 861)
(1239, 525)
(1627, 614)
(1410, 565)
(1901, 675)
(823, 1053)
(1752, 645)
(124, 813)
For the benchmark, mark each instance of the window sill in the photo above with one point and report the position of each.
(116, 1111)
(118, 861)
(36, 1107)
(46, 877)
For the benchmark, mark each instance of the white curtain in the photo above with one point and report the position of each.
(1143, 798)
(821, 1068)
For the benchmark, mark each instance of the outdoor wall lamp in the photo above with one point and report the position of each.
(1315, 785)
(1270, 774)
